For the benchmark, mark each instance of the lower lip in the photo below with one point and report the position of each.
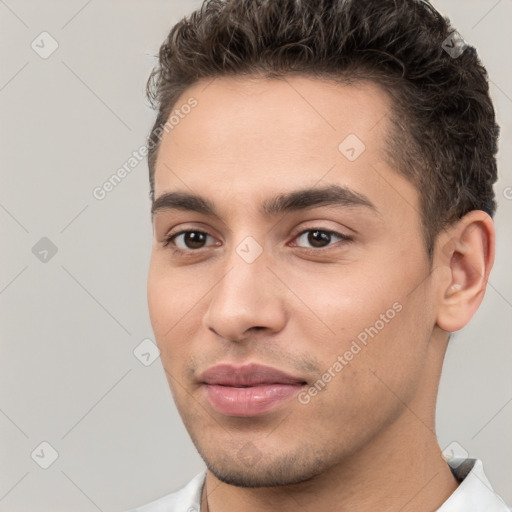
(249, 401)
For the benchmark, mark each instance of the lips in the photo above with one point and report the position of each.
(248, 375)
(248, 390)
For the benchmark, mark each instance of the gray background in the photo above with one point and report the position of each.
(70, 324)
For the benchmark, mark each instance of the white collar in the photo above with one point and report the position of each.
(474, 494)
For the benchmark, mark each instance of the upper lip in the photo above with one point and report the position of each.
(247, 375)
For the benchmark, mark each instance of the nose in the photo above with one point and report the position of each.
(247, 298)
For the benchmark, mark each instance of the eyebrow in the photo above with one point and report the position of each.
(296, 200)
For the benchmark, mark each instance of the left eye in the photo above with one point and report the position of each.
(319, 238)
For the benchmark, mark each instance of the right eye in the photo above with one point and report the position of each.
(187, 240)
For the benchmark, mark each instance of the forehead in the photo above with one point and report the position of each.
(246, 136)
(235, 116)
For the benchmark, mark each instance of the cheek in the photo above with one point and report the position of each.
(166, 311)
(343, 300)
(171, 295)
(367, 316)
(176, 302)
(159, 302)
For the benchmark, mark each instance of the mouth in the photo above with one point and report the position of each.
(248, 390)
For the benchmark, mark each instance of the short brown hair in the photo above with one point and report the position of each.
(444, 133)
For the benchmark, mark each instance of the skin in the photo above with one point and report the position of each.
(367, 440)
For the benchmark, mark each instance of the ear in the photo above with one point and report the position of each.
(465, 254)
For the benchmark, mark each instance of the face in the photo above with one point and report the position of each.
(290, 300)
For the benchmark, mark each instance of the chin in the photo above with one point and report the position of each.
(248, 477)
(248, 468)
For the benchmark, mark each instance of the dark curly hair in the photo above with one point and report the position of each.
(443, 134)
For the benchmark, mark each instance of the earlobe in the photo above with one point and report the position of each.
(465, 252)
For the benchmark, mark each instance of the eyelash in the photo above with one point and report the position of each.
(169, 240)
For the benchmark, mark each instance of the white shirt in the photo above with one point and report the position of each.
(474, 493)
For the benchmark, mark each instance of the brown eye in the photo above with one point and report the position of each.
(188, 240)
(319, 238)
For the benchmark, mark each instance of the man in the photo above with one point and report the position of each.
(321, 176)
